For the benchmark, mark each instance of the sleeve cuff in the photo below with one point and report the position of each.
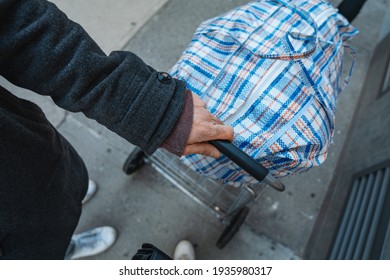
(177, 138)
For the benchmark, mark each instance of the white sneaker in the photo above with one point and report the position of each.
(184, 251)
(91, 242)
(92, 188)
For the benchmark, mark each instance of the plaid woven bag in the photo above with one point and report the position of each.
(272, 70)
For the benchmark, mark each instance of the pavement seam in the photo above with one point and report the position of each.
(140, 25)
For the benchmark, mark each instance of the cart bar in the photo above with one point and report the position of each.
(255, 169)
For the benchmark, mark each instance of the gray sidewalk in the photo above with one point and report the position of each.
(145, 207)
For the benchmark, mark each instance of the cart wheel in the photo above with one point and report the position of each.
(232, 228)
(134, 161)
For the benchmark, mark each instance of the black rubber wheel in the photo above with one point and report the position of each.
(134, 161)
(233, 227)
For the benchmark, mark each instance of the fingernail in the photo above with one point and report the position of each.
(217, 155)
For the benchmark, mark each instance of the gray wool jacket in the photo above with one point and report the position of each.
(43, 51)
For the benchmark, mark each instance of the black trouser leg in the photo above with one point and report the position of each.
(42, 183)
(350, 8)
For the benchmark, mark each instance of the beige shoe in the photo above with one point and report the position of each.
(184, 251)
(92, 189)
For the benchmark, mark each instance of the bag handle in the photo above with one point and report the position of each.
(312, 38)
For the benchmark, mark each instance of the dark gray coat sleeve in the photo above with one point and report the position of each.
(42, 50)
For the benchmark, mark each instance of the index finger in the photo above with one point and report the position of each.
(218, 132)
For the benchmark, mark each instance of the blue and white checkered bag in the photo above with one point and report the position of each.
(271, 69)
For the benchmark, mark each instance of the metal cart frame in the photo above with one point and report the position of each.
(227, 203)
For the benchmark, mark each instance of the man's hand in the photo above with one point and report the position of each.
(206, 127)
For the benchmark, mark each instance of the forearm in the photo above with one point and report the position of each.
(45, 52)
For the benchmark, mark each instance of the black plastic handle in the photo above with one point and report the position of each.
(247, 163)
(255, 169)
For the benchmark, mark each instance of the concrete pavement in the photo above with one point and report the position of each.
(110, 23)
